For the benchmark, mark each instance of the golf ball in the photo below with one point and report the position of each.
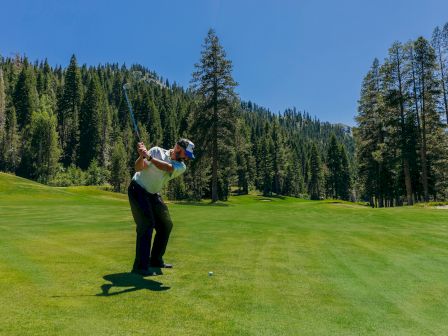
(210, 273)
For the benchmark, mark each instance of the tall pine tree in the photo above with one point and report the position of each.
(2, 103)
(368, 132)
(333, 164)
(344, 180)
(395, 74)
(439, 42)
(11, 145)
(315, 183)
(119, 170)
(213, 83)
(2, 120)
(68, 114)
(425, 65)
(25, 95)
(90, 144)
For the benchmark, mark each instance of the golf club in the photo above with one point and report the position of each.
(147, 79)
(131, 112)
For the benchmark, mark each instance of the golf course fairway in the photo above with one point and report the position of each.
(281, 266)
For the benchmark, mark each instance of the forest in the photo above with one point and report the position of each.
(401, 133)
(71, 126)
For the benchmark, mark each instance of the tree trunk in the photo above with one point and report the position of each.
(215, 148)
(442, 77)
(421, 129)
(423, 148)
(404, 151)
(407, 181)
(414, 91)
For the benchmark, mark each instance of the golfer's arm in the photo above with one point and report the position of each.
(162, 165)
(140, 164)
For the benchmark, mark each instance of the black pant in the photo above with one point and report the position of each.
(149, 213)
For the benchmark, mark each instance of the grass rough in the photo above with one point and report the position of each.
(281, 266)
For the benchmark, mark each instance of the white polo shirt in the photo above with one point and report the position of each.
(153, 179)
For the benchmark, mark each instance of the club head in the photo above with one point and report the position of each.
(149, 80)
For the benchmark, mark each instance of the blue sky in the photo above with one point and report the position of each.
(308, 54)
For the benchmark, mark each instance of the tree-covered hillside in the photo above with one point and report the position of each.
(66, 126)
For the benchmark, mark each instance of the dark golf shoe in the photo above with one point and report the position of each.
(144, 272)
(162, 265)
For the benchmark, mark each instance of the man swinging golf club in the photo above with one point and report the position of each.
(154, 168)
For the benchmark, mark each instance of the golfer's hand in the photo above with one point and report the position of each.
(142, 151)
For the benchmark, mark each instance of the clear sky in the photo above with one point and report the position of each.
(303, 53)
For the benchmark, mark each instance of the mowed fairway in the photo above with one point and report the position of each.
(280, 267)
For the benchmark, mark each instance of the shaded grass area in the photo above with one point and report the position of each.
(281, 267)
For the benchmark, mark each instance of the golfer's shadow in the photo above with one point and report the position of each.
(135, 281)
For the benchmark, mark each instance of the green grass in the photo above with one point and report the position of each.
(281, 267)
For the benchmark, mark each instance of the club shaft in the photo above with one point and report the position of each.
(131, 113)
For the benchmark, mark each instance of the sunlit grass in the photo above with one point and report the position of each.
(280, 267)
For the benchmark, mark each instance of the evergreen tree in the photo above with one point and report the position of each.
(305, 166)
(176, 189)
(395, 75)
(197, 177)
(2, 104)
(96, 174)
(187, 120)
(315, 184)
(244, 161)
(439, 43)
(278, 157)
(90, 144)
(42, 150)
(182, 114)
(444, 44)
(413, 89)
(2, 121)
(25, 96)
(426, 90)
(213, 83)
(333, 164)
(105, 130)
(144, 135)
(68, 114)
(117, 95)
(48, 83)
(368, 134)
(154, 125)
(294, 183)
(11, 144)
(167, 117)
(344, 180)
(266, 169)
(123, 113)
(119, 177)
(377, 153)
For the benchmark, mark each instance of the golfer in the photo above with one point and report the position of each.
(154, 168)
